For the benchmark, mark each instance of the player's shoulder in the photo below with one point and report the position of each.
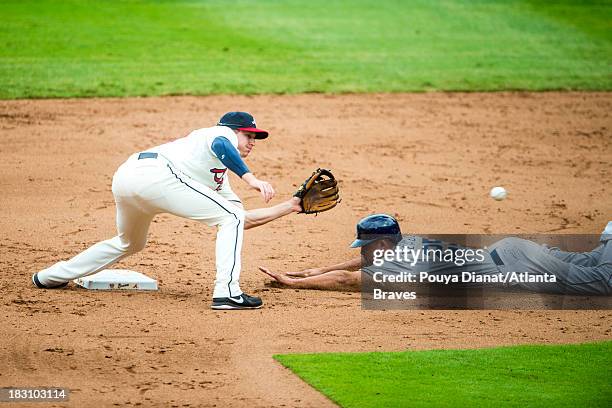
(211, 133)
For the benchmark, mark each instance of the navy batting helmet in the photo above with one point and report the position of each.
(375, 227)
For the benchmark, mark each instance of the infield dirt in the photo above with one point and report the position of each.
(429, 159)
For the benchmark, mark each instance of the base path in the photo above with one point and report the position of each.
(429, 159)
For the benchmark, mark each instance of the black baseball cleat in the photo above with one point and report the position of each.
(39, 285)
(243, 301)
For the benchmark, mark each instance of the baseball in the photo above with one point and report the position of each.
(498, 193)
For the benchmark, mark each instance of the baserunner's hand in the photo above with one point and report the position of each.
(278, 277)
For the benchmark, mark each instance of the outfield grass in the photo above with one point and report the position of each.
(118, 48)
(524, 376)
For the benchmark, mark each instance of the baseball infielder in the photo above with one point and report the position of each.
(187, 178)
(578, 273)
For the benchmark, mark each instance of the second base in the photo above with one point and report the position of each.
(123, 279)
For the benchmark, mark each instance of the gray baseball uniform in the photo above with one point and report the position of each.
(583, 273)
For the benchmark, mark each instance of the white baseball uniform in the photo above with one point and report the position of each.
(184, 178)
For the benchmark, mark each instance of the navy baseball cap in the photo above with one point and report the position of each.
(242, 121)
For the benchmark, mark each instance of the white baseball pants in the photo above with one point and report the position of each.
(142, 189)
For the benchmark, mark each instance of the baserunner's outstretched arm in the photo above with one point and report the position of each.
(332, 280)
(353, 264)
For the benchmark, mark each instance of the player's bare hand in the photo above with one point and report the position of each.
(265, 188)
(278, 277)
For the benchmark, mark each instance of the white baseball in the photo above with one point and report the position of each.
(498, 193)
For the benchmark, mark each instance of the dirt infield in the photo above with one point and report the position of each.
(430, 159)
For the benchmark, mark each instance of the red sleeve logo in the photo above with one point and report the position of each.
(218, 177)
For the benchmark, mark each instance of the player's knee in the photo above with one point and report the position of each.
(240, 214)
(236, 216)
(129, 247)
(137, 246)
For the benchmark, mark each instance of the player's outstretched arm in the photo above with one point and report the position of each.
(350, 265)
(332, 280)
(260, 216)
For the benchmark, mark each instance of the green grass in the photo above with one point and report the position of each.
(119, 48)
(523, 376)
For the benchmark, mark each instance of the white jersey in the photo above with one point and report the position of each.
(193, 156)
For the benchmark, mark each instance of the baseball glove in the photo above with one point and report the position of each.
(319, 192)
